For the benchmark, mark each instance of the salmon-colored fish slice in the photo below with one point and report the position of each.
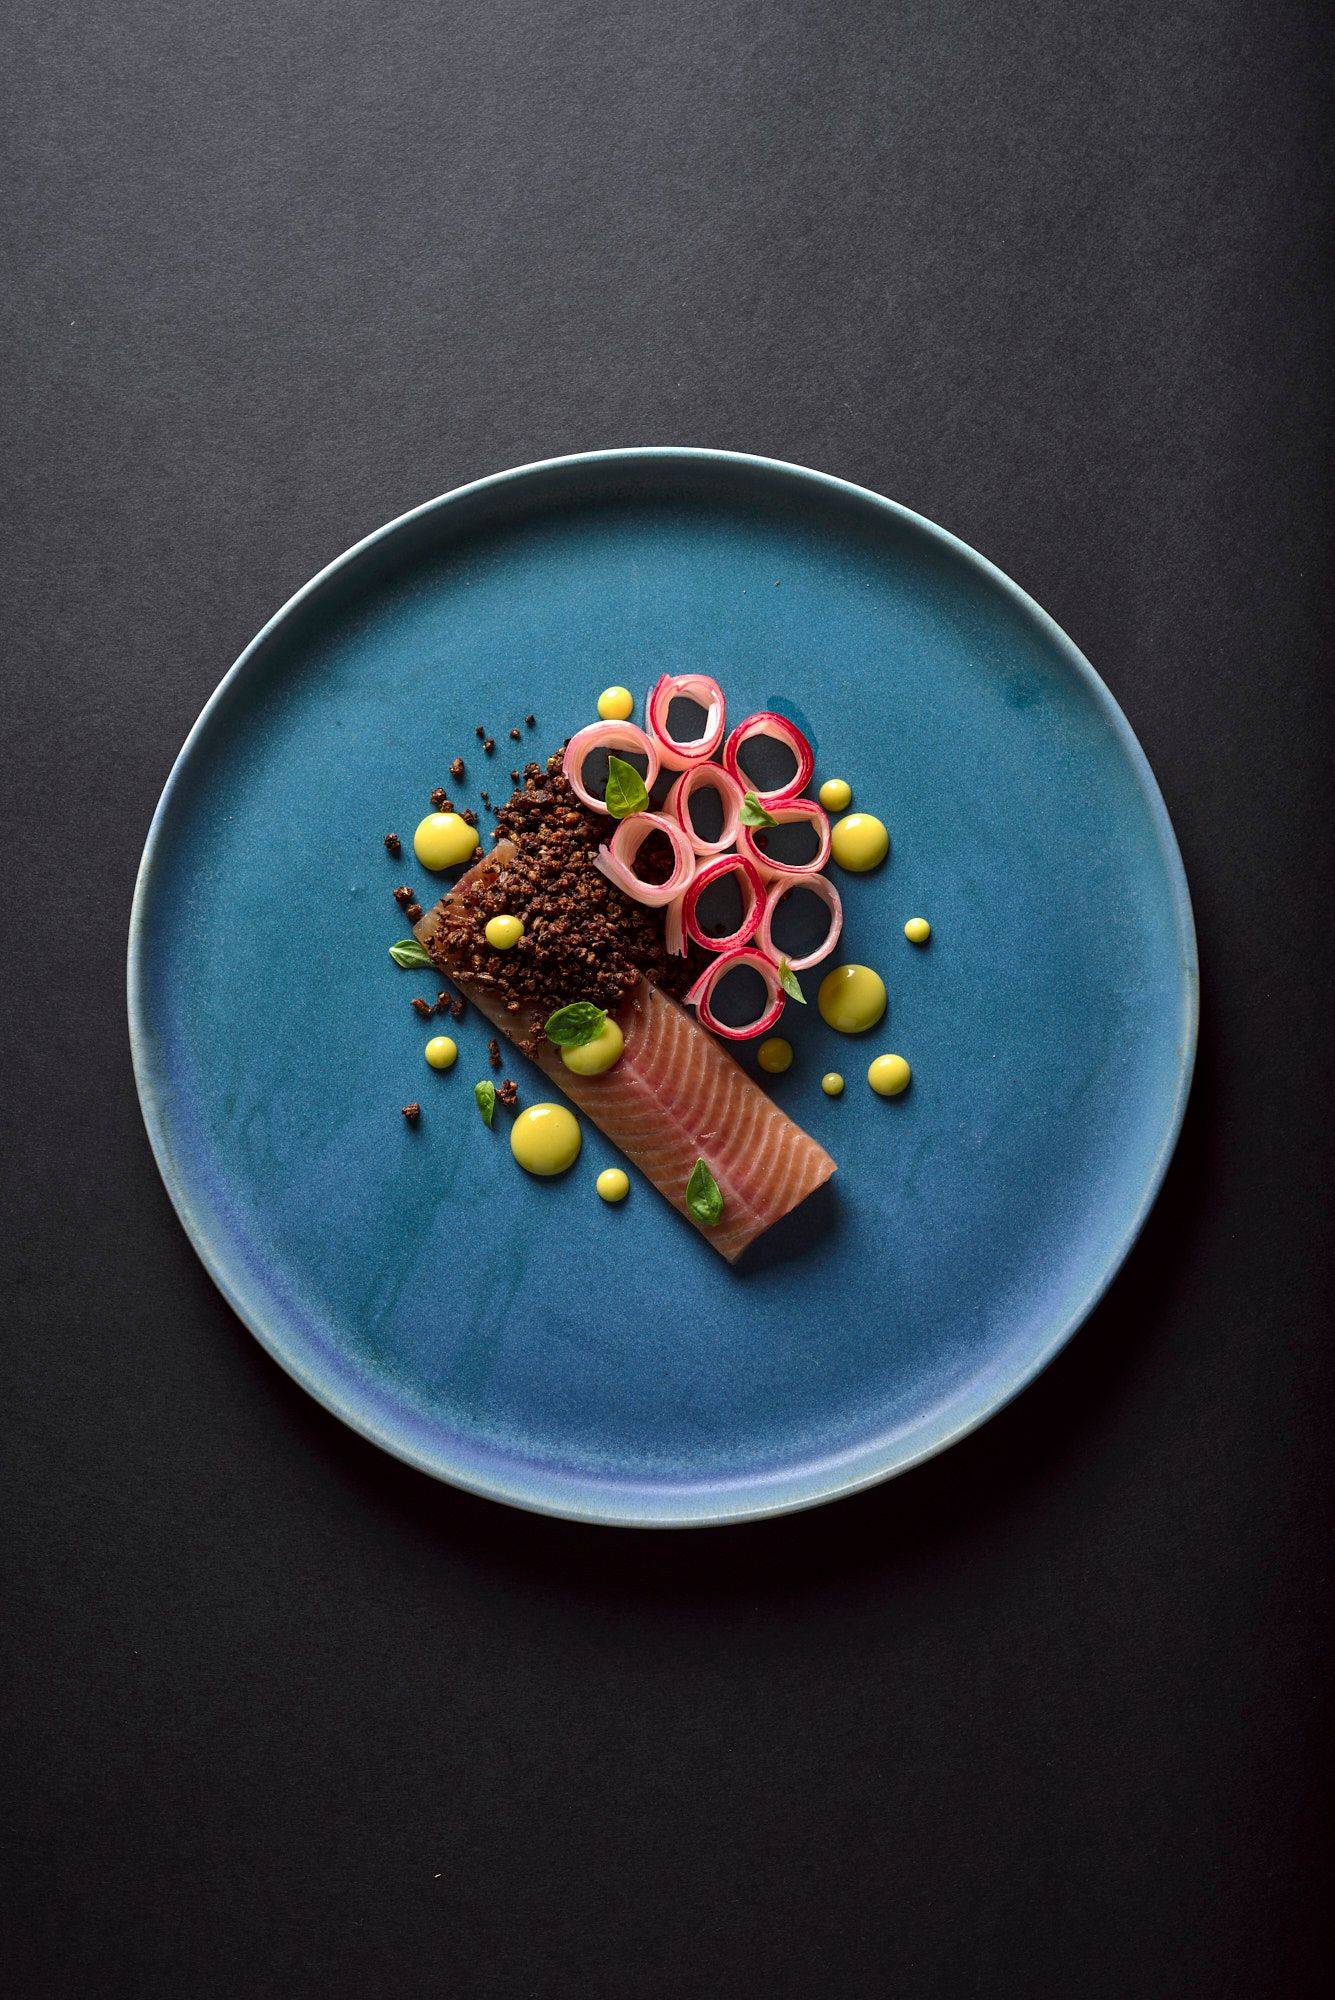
(675, 1097)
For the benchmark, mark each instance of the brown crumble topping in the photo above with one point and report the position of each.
(485, 798)
(507, 1093)
(514, 735)
(403, 895)
(413, 912)
(422, 1007)
(412, 1112)
(442, 1005)
(457, 769)
(583, 940)
(532, 721)
(440, 800)
(494, 1052)
(480, 733)
(514, 777)
(489, 744)
(393, 845)
(457, 1007)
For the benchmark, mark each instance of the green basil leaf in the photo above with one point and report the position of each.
(626, 792)
(704, 1198)
(754, 814)
(788, 981)
(409, 953)
(571, 1027)
(485, 1093)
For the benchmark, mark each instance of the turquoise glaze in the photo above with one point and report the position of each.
(518, 1337)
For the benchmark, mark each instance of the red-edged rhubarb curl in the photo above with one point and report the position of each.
(787, 812)
(606, 736)
(617, 859)
(706, 778)
(783, 731)
(819, 885)
(701, 994)
(676, 755)
(753, 902)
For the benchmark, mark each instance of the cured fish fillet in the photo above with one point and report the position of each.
(674, 1097)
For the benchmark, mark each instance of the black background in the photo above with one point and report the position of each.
(1041, 1719)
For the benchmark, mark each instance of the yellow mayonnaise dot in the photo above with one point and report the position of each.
(592, 1058)
(888, 1075)
(503, 933)
(851, 999)
(444, 840)
(832, 1083)
(835, 795)
(612, 1184)
(441, 1052)
(917, 930)
(616, 704)
(775, 1055)
(545, 1139)
(859, 841)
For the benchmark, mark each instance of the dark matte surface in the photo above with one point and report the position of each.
(1040, 1719)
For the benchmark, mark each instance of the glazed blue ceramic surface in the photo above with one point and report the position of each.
(519, 1337)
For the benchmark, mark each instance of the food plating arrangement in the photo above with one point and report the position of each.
(651, 894)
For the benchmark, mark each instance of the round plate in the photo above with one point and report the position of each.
(520, 1338)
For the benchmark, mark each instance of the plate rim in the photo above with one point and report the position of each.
(718, 1503)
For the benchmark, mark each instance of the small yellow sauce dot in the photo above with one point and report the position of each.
(832, 1083)
(888, 1075)
(612, 1184)
(836, 795)
(592, 1058)
(441, 1052)
(917, 930)
(851, 999)
(545, 1139)
(859, 842)
(616, 704)
(444, 840)
(503, 933)
(775, 1055)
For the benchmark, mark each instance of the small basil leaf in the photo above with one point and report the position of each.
(409, 953)
(754, 814)
(485, 1093)
(571, 1027)
(704, 1198)
(788, 981)
(626, 792)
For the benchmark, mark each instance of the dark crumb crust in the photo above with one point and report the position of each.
(583, 940)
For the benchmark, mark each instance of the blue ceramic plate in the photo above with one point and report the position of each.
(520, 1338)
